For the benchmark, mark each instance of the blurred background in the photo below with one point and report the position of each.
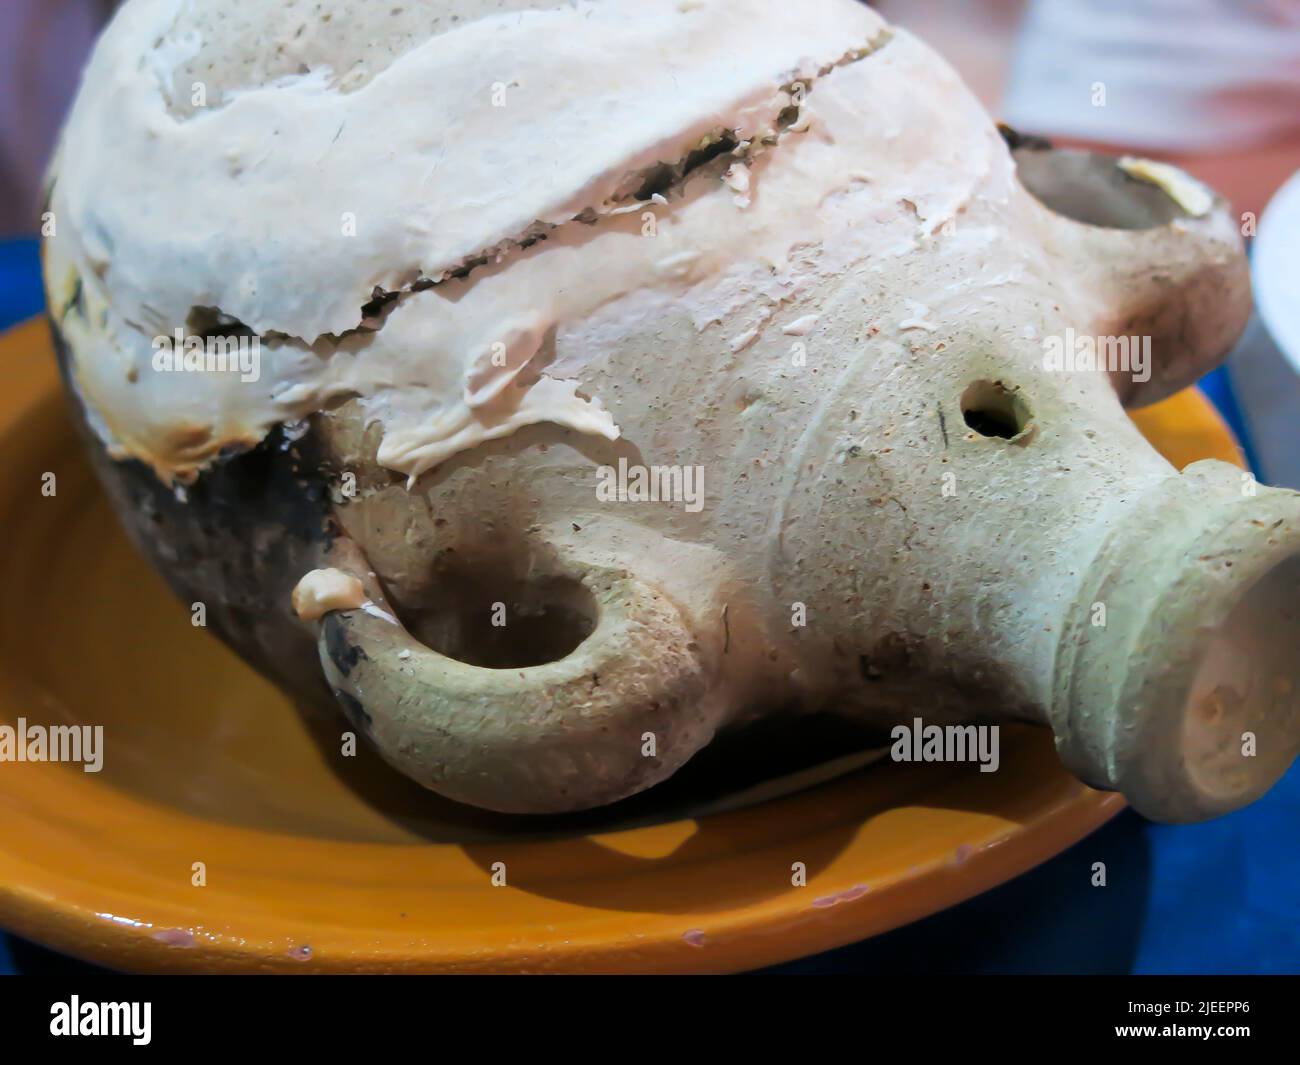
(1210, 85)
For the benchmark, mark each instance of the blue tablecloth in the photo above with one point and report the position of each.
(1220, 897)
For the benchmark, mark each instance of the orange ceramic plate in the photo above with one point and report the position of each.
(222, 834)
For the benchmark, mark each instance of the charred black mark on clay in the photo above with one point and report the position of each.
(344, 655)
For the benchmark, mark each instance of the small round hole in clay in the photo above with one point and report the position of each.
(994, 410)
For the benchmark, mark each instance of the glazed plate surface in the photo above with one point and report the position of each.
(311, 861)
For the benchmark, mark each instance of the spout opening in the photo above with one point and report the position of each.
(1187, 698)
(1241, 717)
(1094, 189)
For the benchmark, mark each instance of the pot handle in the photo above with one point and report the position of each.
(622, 711)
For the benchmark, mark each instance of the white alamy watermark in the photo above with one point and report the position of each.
(919, 742)
(1083, 353)
(53, 743)
(632, 483)
(181, 353)
(74, 1017)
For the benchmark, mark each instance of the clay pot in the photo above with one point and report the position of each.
(845, 334)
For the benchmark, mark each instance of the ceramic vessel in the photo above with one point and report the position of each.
(655, 368)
